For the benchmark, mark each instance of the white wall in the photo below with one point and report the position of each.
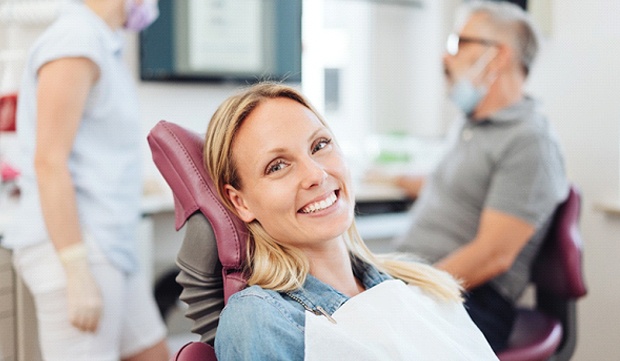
(407, 74)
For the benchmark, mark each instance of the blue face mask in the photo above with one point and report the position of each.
(466, 96)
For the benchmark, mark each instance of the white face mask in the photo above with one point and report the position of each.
(464, 93)
(140, 16)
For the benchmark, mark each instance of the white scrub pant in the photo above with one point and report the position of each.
(130, 321)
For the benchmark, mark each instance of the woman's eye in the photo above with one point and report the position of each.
(321, 144)
(278, 165)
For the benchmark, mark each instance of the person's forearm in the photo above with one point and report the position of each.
(58, 204)
(410, 184)
(500, 238)
(473, 266)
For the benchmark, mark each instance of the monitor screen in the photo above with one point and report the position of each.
(223, 40)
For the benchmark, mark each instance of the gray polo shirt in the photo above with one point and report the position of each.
(510, 162)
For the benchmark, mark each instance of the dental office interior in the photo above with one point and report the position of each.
(373, 67)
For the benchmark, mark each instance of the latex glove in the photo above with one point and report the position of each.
(83, 295)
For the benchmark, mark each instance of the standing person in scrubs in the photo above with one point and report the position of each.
(75, 239)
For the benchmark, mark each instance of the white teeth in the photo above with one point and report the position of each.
(314, 207)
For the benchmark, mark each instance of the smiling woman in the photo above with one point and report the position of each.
(273, 163)
(276, 164)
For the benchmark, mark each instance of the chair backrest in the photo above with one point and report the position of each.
(558, 272)
(558, 267)
(177, 153)
(550, 329)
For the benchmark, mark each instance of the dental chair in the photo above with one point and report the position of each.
(549, 330)
(212, 274)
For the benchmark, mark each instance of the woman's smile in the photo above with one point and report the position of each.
(320, 205)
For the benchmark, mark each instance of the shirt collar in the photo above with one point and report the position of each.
(514, 112)
(316, 293)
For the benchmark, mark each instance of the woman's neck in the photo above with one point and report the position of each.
(111, 11)
(333, 267)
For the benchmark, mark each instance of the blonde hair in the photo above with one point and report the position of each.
(270, 264)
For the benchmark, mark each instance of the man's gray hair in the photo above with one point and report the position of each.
(510, 20)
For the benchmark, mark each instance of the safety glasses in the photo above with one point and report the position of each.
(455, 41)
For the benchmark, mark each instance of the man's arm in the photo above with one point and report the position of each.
(410, 184)
(497, 244)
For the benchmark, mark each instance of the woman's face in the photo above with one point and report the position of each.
(294, 180)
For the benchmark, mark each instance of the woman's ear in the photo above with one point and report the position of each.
(236, 198)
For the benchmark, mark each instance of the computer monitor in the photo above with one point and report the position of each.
(223, 41)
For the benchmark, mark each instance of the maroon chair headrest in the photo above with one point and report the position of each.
(559, 265)
(177, 153)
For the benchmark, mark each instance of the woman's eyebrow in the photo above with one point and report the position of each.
(310, 138)
(313, 135)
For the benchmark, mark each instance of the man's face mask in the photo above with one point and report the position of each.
(140, 15)
(464, 93)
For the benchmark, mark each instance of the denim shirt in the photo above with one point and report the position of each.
(259, 324)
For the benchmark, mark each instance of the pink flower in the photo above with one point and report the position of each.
(7, 172)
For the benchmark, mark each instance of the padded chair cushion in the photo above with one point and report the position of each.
(535, 337)
(195, 351)
(200, 275)
(558, 266)
(178, 155)
(550, 329)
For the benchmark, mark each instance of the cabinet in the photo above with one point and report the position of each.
(18, 326)
(7, 308)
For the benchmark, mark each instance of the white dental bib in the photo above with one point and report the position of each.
(393, 321)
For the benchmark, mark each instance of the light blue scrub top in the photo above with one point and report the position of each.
(105, 162)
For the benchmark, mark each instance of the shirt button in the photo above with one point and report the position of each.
(467, 134)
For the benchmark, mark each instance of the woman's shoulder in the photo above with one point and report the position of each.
(260, 304)
(71, 35)
(253, 294)
(255, 308)
(70, 28)
(259, 324)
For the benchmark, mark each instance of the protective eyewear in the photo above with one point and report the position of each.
(455, 40)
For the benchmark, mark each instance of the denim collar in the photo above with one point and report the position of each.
(315, 293)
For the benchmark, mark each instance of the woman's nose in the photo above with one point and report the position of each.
(313, 173)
